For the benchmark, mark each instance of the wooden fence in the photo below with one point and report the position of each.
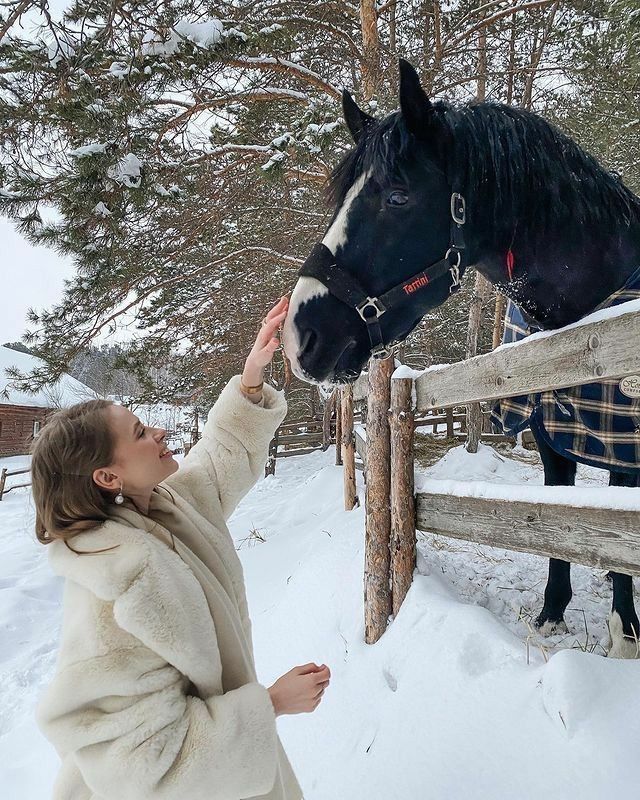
(303, 436)
(6, 473)
(298, 438)
(605, 537)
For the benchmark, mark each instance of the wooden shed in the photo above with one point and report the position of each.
(22, 415)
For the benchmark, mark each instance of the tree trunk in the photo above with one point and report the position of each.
(314, 397)
(403, 515)
(436, 61)
(287, 374)
(474, 416)
(512, 57)
(195, 431)
(371, 48)
(536, 55)
(377, 592)
(481, 289)
(392, 29)
(498, 319)
(348, 449)
(481, 86)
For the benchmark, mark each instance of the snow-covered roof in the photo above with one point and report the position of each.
(65, 392)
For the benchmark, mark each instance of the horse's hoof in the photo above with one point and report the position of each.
(621, 646)
(551, 628)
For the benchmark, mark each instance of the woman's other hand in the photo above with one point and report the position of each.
(265, 345)
(300, 690)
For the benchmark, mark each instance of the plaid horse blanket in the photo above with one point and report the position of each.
(596, 423)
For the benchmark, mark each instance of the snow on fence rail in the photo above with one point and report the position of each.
(580, 353)
(602, 346)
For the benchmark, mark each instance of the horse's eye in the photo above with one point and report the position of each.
(397, 198)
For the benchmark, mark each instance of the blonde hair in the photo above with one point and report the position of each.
(74, 442)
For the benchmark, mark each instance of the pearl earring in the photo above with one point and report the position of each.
(119, 498)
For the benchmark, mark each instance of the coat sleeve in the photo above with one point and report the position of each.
(135, 733)
(230, 456)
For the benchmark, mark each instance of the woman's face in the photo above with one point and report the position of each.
(141, 458)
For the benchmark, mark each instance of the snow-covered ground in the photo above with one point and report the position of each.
(459, 699)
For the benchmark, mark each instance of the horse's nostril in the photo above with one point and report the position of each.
(308, 342)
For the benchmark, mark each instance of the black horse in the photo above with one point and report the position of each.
(433, 188)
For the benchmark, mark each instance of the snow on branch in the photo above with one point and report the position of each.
(267, 94)
(281, 65)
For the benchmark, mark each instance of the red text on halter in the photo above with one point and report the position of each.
(412, 287)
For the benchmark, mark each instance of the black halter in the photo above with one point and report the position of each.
(322, 266)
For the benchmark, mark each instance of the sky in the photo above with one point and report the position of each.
(31, 277)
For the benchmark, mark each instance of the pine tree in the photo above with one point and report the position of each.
(177, 153)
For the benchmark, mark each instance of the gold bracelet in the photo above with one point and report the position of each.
(251, 389)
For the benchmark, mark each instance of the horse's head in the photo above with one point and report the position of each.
(392, 249)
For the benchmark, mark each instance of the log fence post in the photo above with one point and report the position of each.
(403, 512)
(377, 591)
(348, 449)
(270, 466)
(339, 428)
(449, 416)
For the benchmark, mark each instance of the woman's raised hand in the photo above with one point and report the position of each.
(300, 690)
(266, 343)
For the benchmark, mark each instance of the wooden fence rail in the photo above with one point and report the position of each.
(604, 538)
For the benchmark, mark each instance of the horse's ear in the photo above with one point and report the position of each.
(356, 119)
(416, 107)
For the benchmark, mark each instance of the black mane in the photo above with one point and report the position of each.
(514, 166)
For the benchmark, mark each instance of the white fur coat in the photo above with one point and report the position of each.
(155, 693)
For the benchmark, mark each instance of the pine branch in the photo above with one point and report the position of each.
(14, 16)
(281, 65)
(486, 23)
(267, 94)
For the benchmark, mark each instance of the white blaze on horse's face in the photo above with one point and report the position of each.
(306, 288)
(336, 236)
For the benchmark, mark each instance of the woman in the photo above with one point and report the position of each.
(155, 693)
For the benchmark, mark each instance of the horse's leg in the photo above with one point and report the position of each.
(558, 471)
(623, 623)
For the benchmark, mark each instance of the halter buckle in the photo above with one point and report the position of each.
(458, 209)
(375, 304)
(381, 351)
(454, 269)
